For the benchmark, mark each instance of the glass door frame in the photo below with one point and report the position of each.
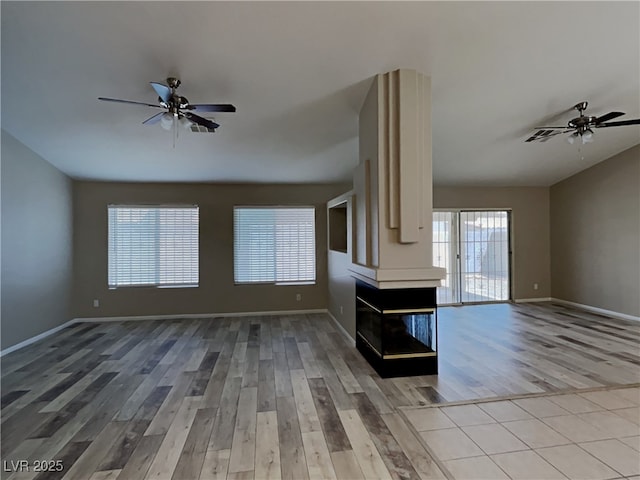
(456, 276)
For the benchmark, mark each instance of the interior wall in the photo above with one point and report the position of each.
(530, 230)
(341, 284)
(36, 243)
(595, 235)
(216, 292)
(342, 291)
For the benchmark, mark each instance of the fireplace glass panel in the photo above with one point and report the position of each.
(370, 326)
(412, 334)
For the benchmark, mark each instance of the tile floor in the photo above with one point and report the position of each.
(592, 435)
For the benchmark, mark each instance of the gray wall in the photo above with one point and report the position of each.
(595, 235)
(36, 243)
(530, 229)
(342, 291)
(216, 292)
(342, 287)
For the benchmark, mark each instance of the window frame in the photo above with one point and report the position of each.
(275, 282)
(157, 207)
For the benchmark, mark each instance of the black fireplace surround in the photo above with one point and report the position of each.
(396, 329)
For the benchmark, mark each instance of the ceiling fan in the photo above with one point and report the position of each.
(581, 127)
(177, 109)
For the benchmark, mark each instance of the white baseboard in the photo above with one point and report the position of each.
(38, 337)
(341, 328)
(42, 335)
(531, 300)
(603, 311)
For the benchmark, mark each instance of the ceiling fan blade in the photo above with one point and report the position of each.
(163, 91)
(552, 134)
(619, 124)
(201, 121)
(608, 116)
(104, 99)
(155, 119)
(535, 136)
(553, 128)
(220, 107)
(545, 134)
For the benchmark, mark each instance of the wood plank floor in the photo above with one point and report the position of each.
(278, 396)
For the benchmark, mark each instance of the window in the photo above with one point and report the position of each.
(274, 245)
(153, 246)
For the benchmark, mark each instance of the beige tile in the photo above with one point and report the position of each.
(631, 414)
(575, 429)
(464, 415)
(540, 407)
(478, 468)
(504, 411)
(631, 394)
(535, 433)
(575, 403)
(575, 463)
(451, 444)
(612, 424)
(622, 458)
(633, 442)
(424, 419)
(607, 399)
(494, 438)
(526, 465)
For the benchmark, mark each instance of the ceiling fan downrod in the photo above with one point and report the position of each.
(581, 107)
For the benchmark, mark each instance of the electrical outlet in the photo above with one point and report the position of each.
(298, 297)
(96, 303)
(535, 286)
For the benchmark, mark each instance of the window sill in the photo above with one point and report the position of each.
(121, 287)
(275, 284)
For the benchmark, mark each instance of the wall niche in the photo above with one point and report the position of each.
(338, 227)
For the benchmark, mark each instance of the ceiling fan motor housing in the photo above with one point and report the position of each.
(582, 123)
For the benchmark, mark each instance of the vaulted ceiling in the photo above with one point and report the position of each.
(298, 73)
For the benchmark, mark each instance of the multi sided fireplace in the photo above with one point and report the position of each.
(396, 329)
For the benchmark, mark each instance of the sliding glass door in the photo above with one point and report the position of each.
(474, 247)
(445, 255)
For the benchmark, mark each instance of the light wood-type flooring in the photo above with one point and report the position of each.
(278, 396)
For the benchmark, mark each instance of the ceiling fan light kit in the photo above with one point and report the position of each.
(585, 137)
(178, 110)
(167, 121)
(581, 127)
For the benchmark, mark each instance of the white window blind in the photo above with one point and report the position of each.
(274, 245)
(153, 246)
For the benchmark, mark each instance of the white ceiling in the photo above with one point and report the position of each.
(298, 73)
